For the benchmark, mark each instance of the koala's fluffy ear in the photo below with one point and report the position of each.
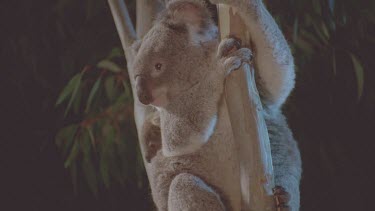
(195, 16)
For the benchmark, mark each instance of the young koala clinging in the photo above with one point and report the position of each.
(180, 68)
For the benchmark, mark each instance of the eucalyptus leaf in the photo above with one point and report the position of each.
(73, 154)
(310, 38)
(87, 164)
(76, 84)
(109, 65)
(127, 90)
(320, 31)
(68, 89)
(304, 45)
(359, 73)
(109, 134)
(325, 30)
(116, 52)
(104, 170)
(109, 85)
(92, 137)
(92, 94)
(85, 144)
(90, 174)
(65, 137)
(77, 101)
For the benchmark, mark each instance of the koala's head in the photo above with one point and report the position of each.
(172, 56)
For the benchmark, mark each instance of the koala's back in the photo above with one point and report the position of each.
(216, 163)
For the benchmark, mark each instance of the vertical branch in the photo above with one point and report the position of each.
(146, 13)
(242, 99)
(248, 125)
(123, 23)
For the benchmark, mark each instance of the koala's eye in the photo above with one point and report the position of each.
(158, 66)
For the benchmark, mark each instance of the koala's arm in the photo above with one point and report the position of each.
(273, 58)
(272, 55)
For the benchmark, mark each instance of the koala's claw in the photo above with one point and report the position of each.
(281, 198)
(232, 55)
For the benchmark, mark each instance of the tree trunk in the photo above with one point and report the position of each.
(248, 125)
(146, 11)
(242, 98)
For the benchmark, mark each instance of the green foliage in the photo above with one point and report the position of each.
(98, 145)
(69, 89)
(98, 141)
(328, 32)
(109, 65)
(359, 73)
(327, 38)
(92, 94)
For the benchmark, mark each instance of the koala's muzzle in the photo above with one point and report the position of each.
(143, 89)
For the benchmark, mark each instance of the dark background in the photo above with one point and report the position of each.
(43, 43)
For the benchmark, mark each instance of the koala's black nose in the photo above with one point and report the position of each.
(143, 91)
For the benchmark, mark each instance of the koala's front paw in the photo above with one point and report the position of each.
(281, 198)
(231, 55)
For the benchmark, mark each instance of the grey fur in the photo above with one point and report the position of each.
(180, 69)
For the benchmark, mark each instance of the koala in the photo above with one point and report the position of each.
(180, 68)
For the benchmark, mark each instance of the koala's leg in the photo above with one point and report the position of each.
(286, 163)
(189, 193)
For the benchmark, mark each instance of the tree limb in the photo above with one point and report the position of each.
(248, 124)
(123, 23)
(147, 11)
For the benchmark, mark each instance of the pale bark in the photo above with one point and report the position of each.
(242, 98)
(146, 12)
(248, 125)
(123, 23)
